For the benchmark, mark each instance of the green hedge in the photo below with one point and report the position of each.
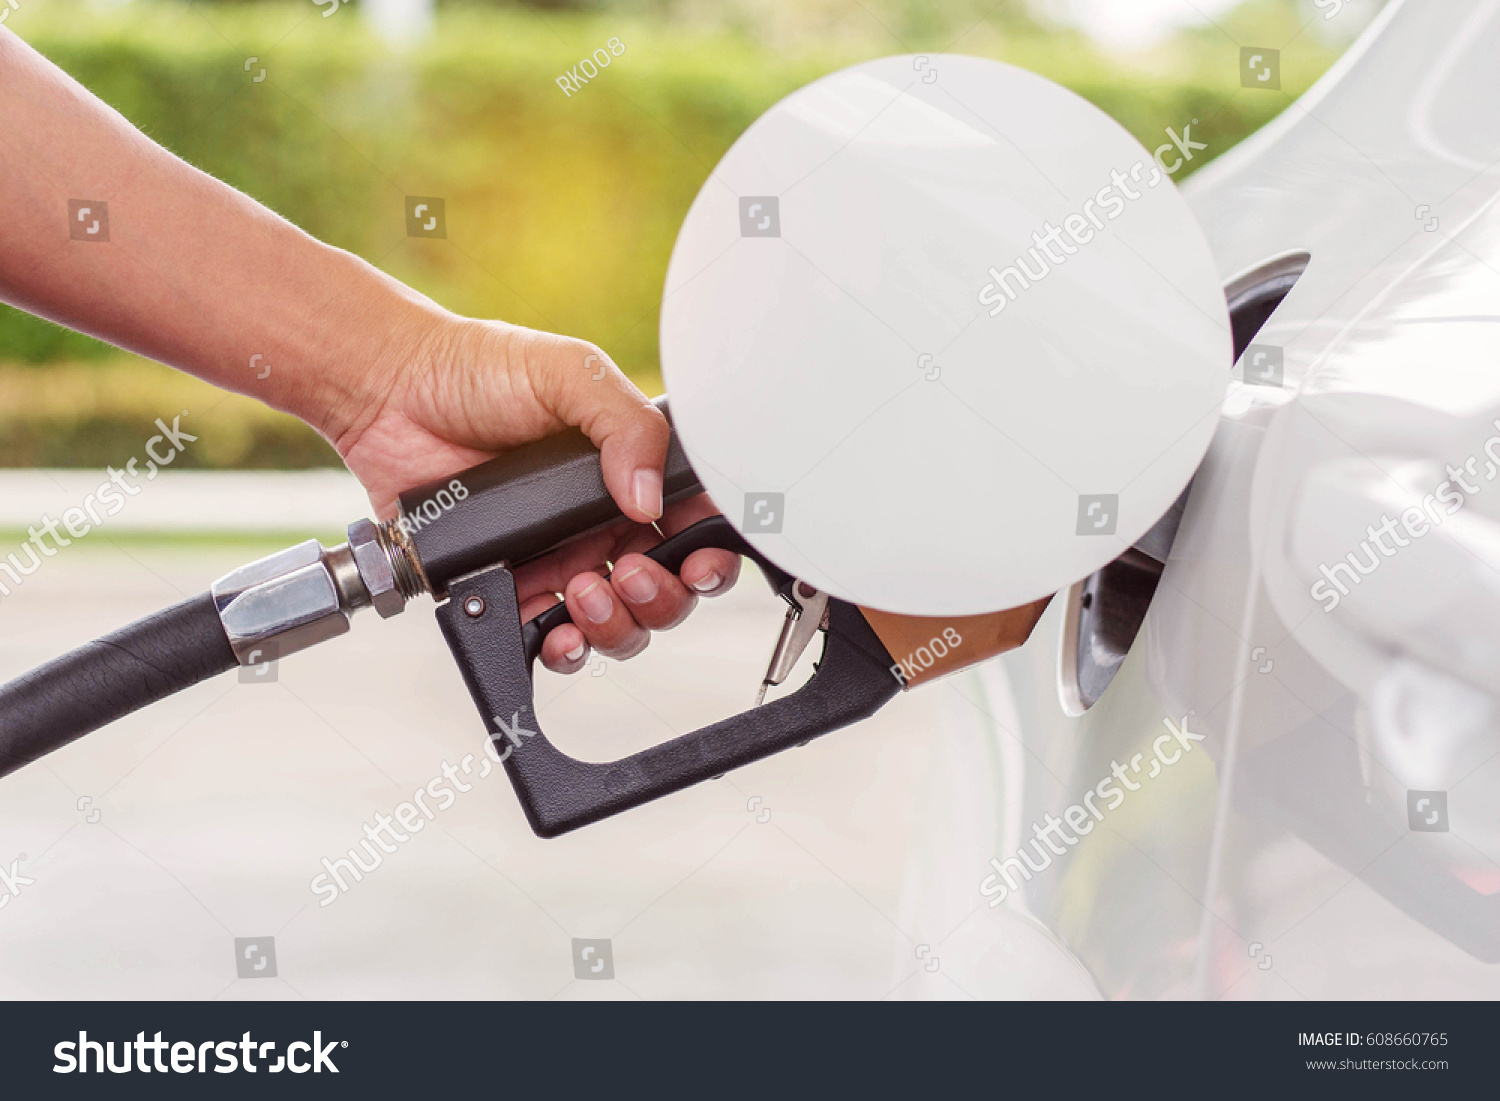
(561, 210)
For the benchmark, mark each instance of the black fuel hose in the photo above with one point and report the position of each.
(511, 508)
(109, 678)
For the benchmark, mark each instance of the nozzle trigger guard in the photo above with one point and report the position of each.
(496, 653)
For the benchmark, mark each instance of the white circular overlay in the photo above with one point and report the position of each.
(941, 337)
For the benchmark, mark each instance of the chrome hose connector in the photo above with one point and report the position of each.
(307, 594)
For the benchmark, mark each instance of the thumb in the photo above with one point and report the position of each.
(581, 386)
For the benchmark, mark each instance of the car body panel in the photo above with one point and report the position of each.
(1278, 858)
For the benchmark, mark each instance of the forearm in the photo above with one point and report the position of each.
(194, 274)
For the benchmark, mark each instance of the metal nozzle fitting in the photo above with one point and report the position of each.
(305, 594)
(405, 564)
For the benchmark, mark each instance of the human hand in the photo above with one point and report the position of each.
(455, 392)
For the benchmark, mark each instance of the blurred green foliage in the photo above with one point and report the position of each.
(561, 209)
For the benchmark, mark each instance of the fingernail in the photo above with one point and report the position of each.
(647, 490)
(577, 652)
(596, 603)
(637, 586)
(707, 584)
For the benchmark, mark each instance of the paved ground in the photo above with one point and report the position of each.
(156, 842)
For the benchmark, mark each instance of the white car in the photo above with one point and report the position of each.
(1327, 621)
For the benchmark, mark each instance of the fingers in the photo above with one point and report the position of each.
(565, 649)
(583, 387)
(551, 573)
(711, 572)
(615, 615)
(602, 617)
(654, 596)
(706, 572)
